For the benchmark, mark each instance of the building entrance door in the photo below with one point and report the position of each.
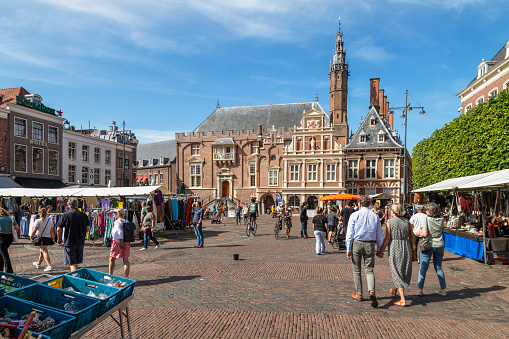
(225, 192)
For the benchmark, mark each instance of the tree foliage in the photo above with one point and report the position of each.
(473, 143)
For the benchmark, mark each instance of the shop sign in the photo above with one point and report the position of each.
(38, 143)
(40, 107)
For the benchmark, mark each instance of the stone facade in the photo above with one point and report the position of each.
(4, 144)
(492, 78)
(156, 164)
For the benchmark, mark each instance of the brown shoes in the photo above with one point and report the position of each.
(357, 297)
(199, 246)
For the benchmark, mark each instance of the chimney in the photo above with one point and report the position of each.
(260, 130)
(374, 88)
(390, 119)
(381, 102)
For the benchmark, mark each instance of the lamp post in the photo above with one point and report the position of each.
(405, 110)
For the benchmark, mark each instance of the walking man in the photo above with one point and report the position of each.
(75, 226)
(238, 213)
(364, 238)
(304, 221)
(197, 223)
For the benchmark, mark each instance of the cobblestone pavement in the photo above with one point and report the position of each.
(282, 289)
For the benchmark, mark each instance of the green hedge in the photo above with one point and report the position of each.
(474, 143)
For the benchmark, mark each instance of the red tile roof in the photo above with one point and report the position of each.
(10, 95)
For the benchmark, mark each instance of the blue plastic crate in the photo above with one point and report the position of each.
(12, 281)
(2, 291)
(104, 278)
(84, 287)
(86, 308)
(64, 321)
(17, 332)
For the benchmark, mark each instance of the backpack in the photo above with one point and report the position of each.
(129, 232)
(253, 207)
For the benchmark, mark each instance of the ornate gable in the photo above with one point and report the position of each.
(314, 118)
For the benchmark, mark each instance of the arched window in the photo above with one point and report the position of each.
(293, 201)
(312, 202)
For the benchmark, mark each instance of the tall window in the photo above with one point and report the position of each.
(196, 175)
(156, 178)
(37, 131)
(20, 158)
(53, 135)
(107, 177)
(150, 179)
(84, 175)
(371, 169)
(353, 169)
(273, 175)
(389, 168)
(480, 101)
(195, 149)
(84, 153)
(97, 176)
(37, 160)
(254, 147)
(363, 138)
(252, 175)
(20, 128)
(71, 174)
(72, 151)
(126, 162)
(119, 162)
(494, 93)
(331, 172)
(294, 172)
(97, 155)
(107, 157)
(161, 179)
(53, 162)
(312, 172)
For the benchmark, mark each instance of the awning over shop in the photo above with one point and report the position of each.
(39, 192)
(493, 180)
(450, 184)
(83, 192)
(383, 196)
(40, 183)
(139, 177)
(343, 196)
(145, 177)
(6, 182)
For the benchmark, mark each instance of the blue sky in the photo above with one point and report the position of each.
(160, 65)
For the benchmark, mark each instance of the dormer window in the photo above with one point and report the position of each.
(372, 121)
(363, 138)
(381, 138)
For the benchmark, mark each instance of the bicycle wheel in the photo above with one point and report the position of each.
(255, 227)
(248, 229)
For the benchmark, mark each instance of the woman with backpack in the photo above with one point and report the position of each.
(119, 248)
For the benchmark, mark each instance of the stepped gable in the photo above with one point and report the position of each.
(371, 132)
(243, 118)
(155, 150)
(9, 95)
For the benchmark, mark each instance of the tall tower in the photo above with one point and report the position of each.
(339, 89)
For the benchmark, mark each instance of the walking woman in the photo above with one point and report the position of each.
(42, 236)
(287, 220)
(433, 229)
(399, 239)
(320, 231)
(149, 223)
(379, 212)
(119, 248)
(6, 225)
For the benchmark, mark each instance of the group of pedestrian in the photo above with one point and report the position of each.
(365, 240)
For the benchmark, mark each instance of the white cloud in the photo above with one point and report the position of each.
(151, 135)
(366, 49)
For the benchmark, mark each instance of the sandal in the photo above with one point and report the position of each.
(393, 292)
(400, 303)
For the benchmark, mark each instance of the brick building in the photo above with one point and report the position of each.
(156, 164)
(492, 78)
(33, 139)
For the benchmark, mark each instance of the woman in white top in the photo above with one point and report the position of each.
(43, 232)
(119, 248)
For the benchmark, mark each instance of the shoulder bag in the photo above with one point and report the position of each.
(424, 243)
(38, 240)
(14, 232)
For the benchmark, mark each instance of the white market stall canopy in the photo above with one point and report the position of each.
(484, 180)
(383, 196)
(82, 192)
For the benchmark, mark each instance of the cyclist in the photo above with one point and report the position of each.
(253, 212)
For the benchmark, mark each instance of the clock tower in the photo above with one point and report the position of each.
(339, 90)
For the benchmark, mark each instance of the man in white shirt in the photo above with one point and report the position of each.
(417, 221)
(364, 239)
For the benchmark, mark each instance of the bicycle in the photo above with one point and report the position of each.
(251, 227)
(278, 227)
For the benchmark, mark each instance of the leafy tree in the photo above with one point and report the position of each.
(473, 143)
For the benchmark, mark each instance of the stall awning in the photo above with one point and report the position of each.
(83, 192)
(342, 196)
(139, 177)
(145, 177)
(450, 184)
(39, 192)
(492, 180)
(6, 182)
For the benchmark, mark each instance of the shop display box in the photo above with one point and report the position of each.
(106, 279)
(64, 321)
(10, 281)
(83, 308)
(84, 287)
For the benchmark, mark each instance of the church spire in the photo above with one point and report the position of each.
(339, 57)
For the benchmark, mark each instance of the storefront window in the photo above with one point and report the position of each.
(53, 162)
(20, 161)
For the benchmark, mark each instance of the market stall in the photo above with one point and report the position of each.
(478, 215)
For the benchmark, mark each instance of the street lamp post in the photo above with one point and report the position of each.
(405, 110)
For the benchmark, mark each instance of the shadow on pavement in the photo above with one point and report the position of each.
(453, 295)
(153, 282)
(452, 259)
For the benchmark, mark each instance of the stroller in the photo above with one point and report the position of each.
(215, 217)
(338, 241)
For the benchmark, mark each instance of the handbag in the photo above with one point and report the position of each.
(37, 241)
(424, 244)
(14, 232)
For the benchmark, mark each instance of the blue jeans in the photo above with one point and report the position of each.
(237, 219)
(320, 241)
(148, 235)
(199, 234)
(438, 255)
(304, 229)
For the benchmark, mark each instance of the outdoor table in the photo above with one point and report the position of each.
(464, 244)
(123, 312)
